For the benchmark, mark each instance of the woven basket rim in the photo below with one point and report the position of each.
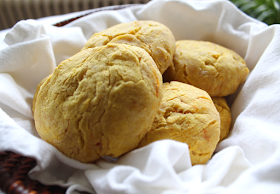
(107, 8)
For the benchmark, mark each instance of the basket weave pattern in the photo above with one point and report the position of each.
(14, 170)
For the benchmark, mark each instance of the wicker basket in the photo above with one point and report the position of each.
(14, 178)
(14, 168)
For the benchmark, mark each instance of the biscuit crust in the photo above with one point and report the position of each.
(99, 102)
(37, 91)
(186, 114)
(209, 66)
(153, 37)
(225, 115)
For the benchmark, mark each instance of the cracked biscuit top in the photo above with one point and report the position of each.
(186, 114)
(208, 66)
(153, 37)
(99, 102)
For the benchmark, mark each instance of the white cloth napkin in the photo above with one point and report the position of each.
(248, 161)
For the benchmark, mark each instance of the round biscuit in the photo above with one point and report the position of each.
(208, 66)
(186, 114)
(100, 102)
(152, 36)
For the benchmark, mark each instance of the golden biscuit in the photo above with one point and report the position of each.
(153, 37)
(225, 115)
(186, 114)
(99, 102)
(208, 66)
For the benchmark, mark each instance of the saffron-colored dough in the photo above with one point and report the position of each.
(225, 115)
(100, 102)
(186, 114)
(208, 66)
(153, 37)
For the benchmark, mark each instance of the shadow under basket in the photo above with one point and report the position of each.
(14, 168)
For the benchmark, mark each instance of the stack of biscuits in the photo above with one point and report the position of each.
(133, 84)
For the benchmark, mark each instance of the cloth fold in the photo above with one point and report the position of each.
(246, 162)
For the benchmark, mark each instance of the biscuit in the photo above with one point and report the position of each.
(99, 102)
(186, 114)
(225, 115)
(153, 37)
(208, 66)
